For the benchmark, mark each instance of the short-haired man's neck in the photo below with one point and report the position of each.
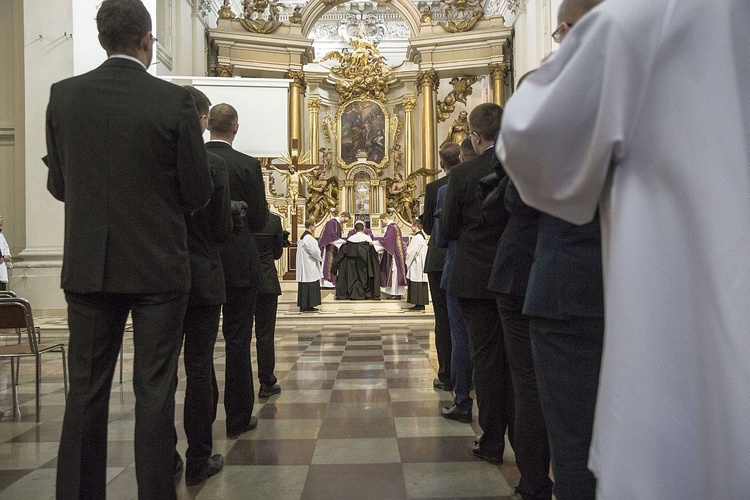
(481, 145)
(143, 52)
(228, 138)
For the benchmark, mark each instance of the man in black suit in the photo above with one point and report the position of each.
(242, 270)
(206, 228)
(565, 305)
(270, 249)
(434, 268)
(128, 165)
(476, 243)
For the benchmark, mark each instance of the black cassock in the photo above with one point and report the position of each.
(358, 271)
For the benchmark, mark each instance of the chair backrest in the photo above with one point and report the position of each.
(16, 313)
(7, 293)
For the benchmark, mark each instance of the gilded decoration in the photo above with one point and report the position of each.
(459, 129)
(298, 78)
(313, 105)
(461, 15)
(363, 126)
(426, 12)
(410, 104)
(323, 195)
(224, 70)
(361, 72)
(261, 16)
(428, 77)
(225, 11)
(401, 193)
(499, 70)
(461, 90)
(296, 17)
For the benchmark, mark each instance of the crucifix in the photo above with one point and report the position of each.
(292, 170)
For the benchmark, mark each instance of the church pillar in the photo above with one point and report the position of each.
(410, 104)
(313, 108)
(427, 84)
(497, 72)
(296, 91)
(199, 44)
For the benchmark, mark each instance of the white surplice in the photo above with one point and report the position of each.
(645, 111)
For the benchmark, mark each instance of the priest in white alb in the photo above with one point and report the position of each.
(645, 112)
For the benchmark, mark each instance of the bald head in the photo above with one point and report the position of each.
(223, 122)
(572, 10)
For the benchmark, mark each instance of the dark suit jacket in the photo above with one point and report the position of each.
(435, 255)
(515, 252)
(476, 235)
(566, 278)
(206, 229)
(126, 155)
(239, 254)
(270, 248)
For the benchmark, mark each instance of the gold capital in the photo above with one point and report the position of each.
(410, 104)
(427, 79)
(299, 79)
(313, 105)
(224, 70)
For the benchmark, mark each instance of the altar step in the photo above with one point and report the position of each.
(348, 312)
(331, 312)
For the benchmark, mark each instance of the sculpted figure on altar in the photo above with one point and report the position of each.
(323, 195)
(401, 195)
(459, 129)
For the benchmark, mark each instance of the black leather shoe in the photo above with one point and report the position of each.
(252, 425)
(457, 413)
(268, 390)
(416, 308)
(477, 452)
(179, 466)
(214, 464)
(437, 384)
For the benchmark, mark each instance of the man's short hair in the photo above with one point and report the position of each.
(345, 214)
(122, 24)
(309, 222)
(450, 153)
(202, 103)
(417, 223)
(359, 226)
(467, 150)
(384, 216)
(222, 119)
(485, 120)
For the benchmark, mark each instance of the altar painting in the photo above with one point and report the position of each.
(362, 131)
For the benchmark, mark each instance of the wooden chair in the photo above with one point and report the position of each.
(16, 313)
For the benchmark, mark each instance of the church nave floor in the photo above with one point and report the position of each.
(357, 418)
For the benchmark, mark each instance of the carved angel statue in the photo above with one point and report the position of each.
(326, 157)
(323, 195)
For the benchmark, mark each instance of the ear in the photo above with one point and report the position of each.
(101, 42)
(235, 128)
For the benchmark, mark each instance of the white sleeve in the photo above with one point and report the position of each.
(570, 121)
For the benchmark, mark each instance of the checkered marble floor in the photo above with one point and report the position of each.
(357, 418)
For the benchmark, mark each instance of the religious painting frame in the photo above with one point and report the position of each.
(363, 132)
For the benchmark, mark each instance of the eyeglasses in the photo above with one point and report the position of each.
(562, 29)
(153, 38)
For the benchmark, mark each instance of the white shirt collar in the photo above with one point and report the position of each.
(131, 58)
(220, 140)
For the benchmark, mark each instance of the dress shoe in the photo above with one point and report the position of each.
(457, 413)
(437, 384)
(493, 459)
(416, 308)
(394, 297)
(214, 464)
(268, 390)
(179, 466)
(309, 309)
(252, 425)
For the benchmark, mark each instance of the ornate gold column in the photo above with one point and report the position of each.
(313, 109)
(296, 91)
(497, 72)
(427, 84)
(410, 104)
